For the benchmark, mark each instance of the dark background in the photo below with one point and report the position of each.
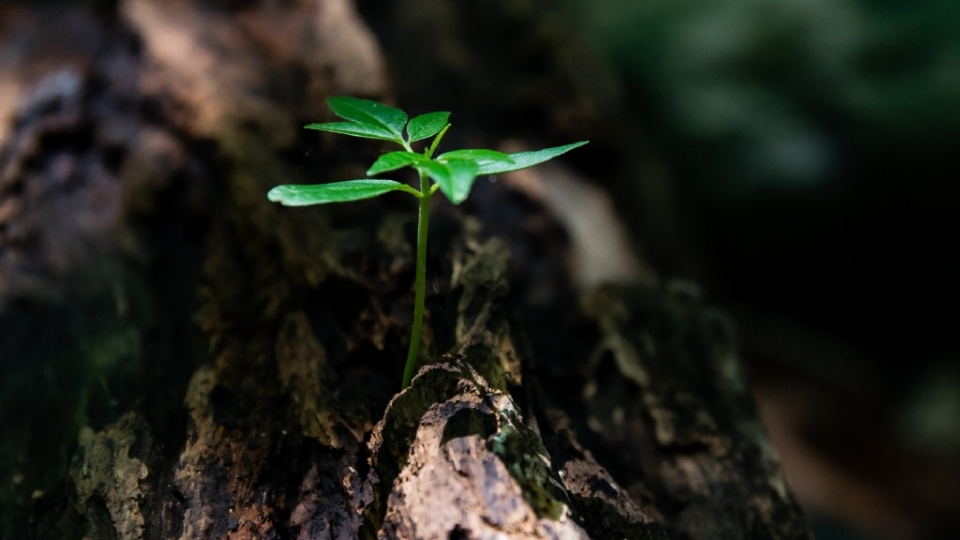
(795, 158)
(813, 150)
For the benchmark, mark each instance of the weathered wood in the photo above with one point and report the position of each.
(277, 414)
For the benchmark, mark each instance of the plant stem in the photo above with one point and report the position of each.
(420, 283)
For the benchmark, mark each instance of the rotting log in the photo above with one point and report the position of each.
(203, 364)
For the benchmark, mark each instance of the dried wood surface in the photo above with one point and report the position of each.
(239, 362)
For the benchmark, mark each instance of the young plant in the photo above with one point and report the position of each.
(452, 173)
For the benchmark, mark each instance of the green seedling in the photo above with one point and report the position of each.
(453, 173)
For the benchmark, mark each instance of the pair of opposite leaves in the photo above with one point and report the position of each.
(454, 172)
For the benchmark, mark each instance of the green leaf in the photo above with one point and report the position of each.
(522, 160)
(370, 113)
(455, 176)
(426, 125)
(463, 173)
(354, 129)
(482, 158)
(351, 190)
(394, 161)
(436, 170)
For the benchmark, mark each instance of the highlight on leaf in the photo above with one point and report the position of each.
(523, 160)
(350, 190)
(354, 129)
(454, 176)
(394, 161)
(364, 111)
(483, 158)
(426, 125)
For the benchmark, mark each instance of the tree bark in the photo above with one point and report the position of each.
(221, 367)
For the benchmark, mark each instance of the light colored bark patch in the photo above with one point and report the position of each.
(106, 469)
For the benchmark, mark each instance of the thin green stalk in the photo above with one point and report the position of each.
(421, 281)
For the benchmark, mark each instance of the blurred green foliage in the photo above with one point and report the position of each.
(768, 87)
